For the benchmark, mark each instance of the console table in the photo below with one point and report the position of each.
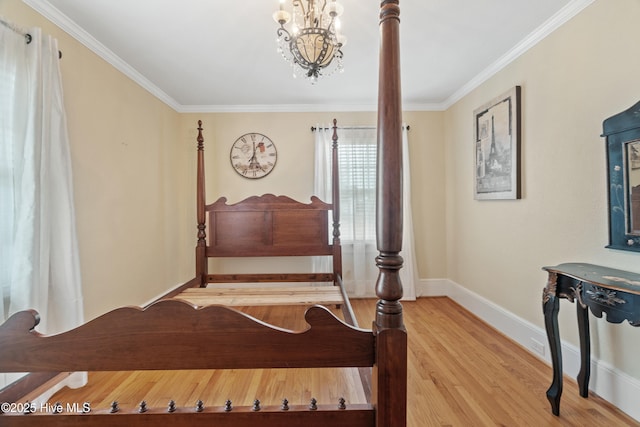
(601, 289)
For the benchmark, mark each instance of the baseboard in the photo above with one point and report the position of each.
(161, 295)
(433, 287)
(606, 381)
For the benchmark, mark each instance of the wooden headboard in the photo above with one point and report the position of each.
(268, 225)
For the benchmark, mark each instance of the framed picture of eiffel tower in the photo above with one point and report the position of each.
(497, 147)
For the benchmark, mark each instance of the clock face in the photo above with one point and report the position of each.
(253, 155)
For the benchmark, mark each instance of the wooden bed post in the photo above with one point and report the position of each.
(390, 373)
(335, 195)
(201, 259)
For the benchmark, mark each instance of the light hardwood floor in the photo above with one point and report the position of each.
(461, 373)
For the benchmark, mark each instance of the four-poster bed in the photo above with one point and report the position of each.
(266, 226)
(174, 334)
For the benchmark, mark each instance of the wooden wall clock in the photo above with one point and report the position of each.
(253, 155)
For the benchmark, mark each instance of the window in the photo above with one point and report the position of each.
(357, 155)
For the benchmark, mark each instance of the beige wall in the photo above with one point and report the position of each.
(123, 146)
(427, 163)
(293, 173)
(581, 74)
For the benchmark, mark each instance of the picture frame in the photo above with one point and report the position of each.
(622, 139)
(497, 138)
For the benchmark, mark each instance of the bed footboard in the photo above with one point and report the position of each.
(172, 334)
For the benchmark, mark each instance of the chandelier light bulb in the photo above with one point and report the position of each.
(336, 8)
(342, 40)
(282, 17)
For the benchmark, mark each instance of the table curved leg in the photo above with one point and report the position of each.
(585, 350)
(550, 308)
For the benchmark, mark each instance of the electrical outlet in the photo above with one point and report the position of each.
(537, 346)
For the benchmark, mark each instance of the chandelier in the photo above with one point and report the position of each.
(313, 41)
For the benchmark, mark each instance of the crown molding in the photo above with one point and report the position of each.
(275, 108)
(556, 21)
(54, 15)
(47, 10)
(300, 108)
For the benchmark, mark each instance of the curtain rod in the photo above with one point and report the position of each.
(26, 35)
(313, 128)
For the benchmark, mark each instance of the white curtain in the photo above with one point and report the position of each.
(39, 261)
(409, 271)
(322, 183)
(357, 150)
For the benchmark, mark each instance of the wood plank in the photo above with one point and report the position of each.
(270, 277)
(250, 296)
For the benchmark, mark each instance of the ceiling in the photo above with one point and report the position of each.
(214, 55)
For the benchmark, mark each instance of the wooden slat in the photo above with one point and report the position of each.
(269, 277)
(240, 297)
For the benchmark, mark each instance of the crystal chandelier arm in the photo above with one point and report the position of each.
(322, 14)
(283, 31)
(334, 12)
(300, 3)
